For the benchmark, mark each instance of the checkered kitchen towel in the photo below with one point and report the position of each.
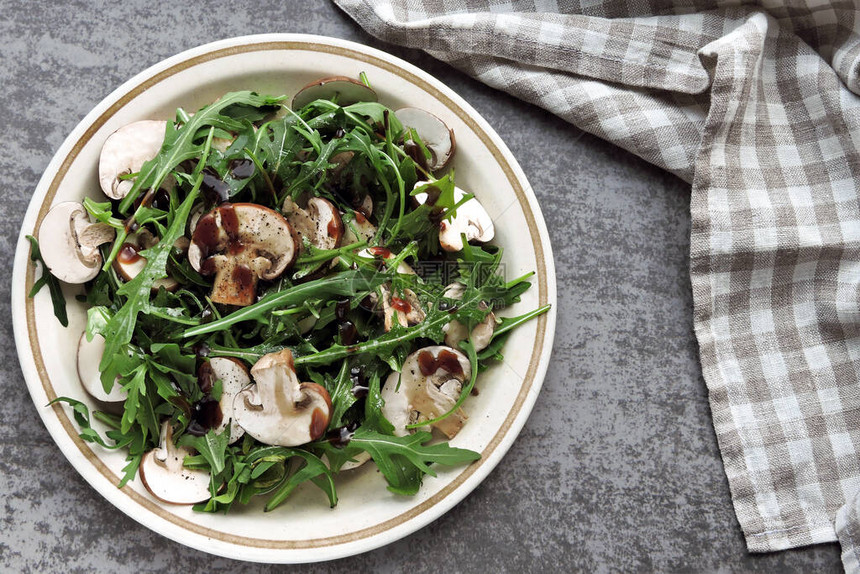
(756, 104)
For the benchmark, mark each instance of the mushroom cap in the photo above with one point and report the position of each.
(359, 229)
(403, 268)
(129, 262)
(430, 383)
(125, 151)
(69, 242)
(346, 90)
(436, 135)
(234, 377)
(241, 243)
(320, 223)
(89, 356)
(455, 331)
(404, 308)
(471, 219)
(197, 212)
(396, 407)
(278, 409)
(165, 477)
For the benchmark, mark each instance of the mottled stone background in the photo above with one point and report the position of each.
(616, 470)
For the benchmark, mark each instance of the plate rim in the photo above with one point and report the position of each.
(240, 547)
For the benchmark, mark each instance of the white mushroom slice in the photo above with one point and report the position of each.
(222, 144)
(429, 386)
(455, 331)
(471, 219)
(182, 244)
(366, 206)
(278, 409)
(405, 309)
(196, 213)
(165, 477)
(359, 229)
(320, 223)
(89, 356)
(241, 243)
(397, 408)
(129, 263)
(385, 254)
(340, 161)
(125, 151)
(438, 138)
(70, 243)
(234, 377)
(343, 90)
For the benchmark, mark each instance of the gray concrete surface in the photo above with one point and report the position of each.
(616, 470)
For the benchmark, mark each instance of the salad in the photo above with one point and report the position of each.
(280, 291)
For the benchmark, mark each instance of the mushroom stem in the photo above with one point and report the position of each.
(278, 409)
(164, 475)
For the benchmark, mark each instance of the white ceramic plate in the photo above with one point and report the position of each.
(367, 516)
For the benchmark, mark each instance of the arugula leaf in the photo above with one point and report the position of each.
(212, 447)
(342, 396)
(337, 285)
(47, 278)
(82, 417)
(404, 460)
(373, 417)
(313, 469)
(137, 291)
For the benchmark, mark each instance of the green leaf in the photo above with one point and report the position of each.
(342, 396)
(135, 387)
(121, 326)
(313, 469)
(338, 285)
(82, 417)
(47, 278)
(404, 460)
(373, 417)
(212, 446)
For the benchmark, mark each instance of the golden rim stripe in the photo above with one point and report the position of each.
(528, 380)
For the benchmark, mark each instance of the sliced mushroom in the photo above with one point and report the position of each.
(365, 207)
(125, 151)
(340, 161)
(241, 243)
(278, 409)
(234, 377)
(197, 212)
(404, 309)
(129, 262)
(343, 90)
(427, 387)
(222, 144)
(437, 137)
(320, 223)
(455, 331)
(471, 219)
(167, 479)
(385, 254)
(359, 229)
(89, 356)
(70, 243)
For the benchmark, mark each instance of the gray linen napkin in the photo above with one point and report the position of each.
(755, 104)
